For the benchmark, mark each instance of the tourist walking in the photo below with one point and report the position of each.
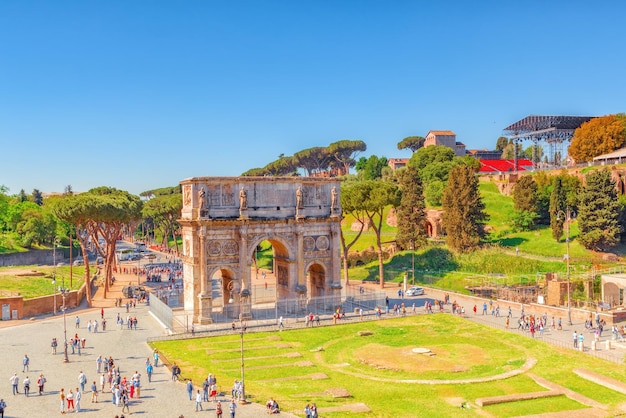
(15, 381)
(149, 372)
(218, 409)
(26, 386)
(94, 392)
(77, 397)
(189, 389)
(70, 401)
(3, 405)
(82, 380)
(198, 400)
(54, 345)
(62, 396)
(232, 408)
(40, 382)
(25, 363)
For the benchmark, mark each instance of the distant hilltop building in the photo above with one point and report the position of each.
(396, 163)
(446, 139)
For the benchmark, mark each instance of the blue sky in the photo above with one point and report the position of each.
(142, 94)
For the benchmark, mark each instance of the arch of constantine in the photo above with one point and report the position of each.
(223, 221)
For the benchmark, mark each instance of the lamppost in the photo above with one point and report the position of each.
(243, 296)
(412, 264)
(567, 218)
(64, 291)
(54, 272)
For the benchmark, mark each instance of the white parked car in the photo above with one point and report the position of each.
(415, 291)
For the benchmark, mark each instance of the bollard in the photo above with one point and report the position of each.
(593, 345)
(608, 344)
(581, 346)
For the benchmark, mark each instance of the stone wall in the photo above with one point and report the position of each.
(32, 257)
(27, 308)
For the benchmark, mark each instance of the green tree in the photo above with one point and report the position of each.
(344, 153)
(429, 155)
(411, 142)
(102, 212)
(371, 168)
(352, 197)
(501, 143)
(598, 212)
(312, 160)
(37, 197)
(165, 212)
(411, 213)
(525, 194)
(508, 153)
(598, 136)
(558, 207)
(433, 165)
(380, 194)
(434, 192)
(525, 203)
(36, 227)
(464, 215)
(533, 153)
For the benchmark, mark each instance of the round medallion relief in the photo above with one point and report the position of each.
(322, 243)
(214, 248)
(230, 247)
(308, 243)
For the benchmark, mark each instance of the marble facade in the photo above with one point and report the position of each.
(224, 219)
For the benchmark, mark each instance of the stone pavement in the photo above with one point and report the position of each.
(160, 398)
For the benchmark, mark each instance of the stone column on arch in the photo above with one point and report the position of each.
(245, 265)
(204, 306)
(300, 285)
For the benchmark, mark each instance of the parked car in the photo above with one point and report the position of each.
(415, 291)
(78, 262)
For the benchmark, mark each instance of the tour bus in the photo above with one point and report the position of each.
(126, 254)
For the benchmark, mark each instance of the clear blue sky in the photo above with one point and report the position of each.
(142, 94)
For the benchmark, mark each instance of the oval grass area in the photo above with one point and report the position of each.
(373, 363)
(466, 352)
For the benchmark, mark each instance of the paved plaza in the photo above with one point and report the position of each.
(160, 398)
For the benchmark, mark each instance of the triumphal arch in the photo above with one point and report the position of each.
(223, 221)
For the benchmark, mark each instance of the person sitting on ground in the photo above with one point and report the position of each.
(274, 408)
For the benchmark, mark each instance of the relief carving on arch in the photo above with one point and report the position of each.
(228, 248)
(186, 195)
(214, 248)
(282, 275)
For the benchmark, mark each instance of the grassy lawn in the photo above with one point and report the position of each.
(35, 281)
(498, 206)
(377, 369)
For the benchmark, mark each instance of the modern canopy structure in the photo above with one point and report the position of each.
(554, 130)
